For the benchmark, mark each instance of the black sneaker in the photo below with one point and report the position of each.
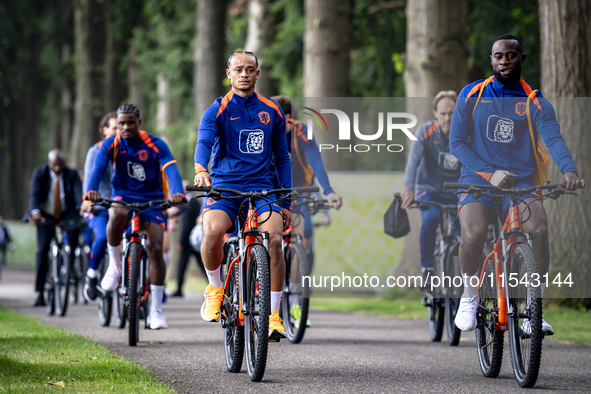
(427, 274)
(90, 288)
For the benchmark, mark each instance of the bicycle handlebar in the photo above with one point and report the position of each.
(208, 189)
(472, 188)
(424, 205)
(136, 206)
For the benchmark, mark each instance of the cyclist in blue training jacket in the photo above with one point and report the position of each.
(490, 136)
(243, 130)
(142, 163)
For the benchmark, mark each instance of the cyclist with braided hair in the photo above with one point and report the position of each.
(142, 163)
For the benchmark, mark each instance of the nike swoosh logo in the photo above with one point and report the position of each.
(487, 101)
(231, 118)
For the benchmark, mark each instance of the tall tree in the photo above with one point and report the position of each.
(327, 63)
(327, 43)
(209, 53)
(436, 59)
(565, 28)
(89, 31)
(260, 34)
(22, 90)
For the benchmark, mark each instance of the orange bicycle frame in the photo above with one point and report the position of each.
(512, 222)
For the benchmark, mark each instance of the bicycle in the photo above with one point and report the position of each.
(134, 287)
(59, 274)
(295, 300)
(509, 286)
(444, 300)
(106, 299)
(79, 267)
(244, 314)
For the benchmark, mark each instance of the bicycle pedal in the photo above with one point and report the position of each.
(276, 336)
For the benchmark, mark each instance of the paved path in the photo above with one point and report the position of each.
(341, 353)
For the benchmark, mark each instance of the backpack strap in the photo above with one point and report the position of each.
(529, 122)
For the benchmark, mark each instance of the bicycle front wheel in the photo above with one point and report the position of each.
(295, 300)
(489, 341)
(452, 301)
(62, 282)
(132, 293)
(525, 323)
(105, 307)
(119, 309)
(233, 333)
(258, 301)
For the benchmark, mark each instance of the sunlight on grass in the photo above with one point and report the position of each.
(36, 357)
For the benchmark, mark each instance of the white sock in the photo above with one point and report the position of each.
(156, 297)
(91, 273)
(167, 258)
(115, 255)
(470, 286)
(275, 300)
(214, 277)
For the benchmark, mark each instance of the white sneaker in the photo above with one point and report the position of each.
(111, 279)
(466, 317)
(526, 326)
(546, 328)
(157, 320)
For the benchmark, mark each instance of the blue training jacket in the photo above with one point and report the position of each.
(495, 135)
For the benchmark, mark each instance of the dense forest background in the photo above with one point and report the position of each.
(64, 64)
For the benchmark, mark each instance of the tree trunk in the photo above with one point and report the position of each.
(209, 53)
(164, 105)
(136, 94)
(19, 126)
(89, 46)
(66, 101)
(115, 91)
(327, 46)
(327, 43)
(565, 28)
(436, 59)
(260, 34)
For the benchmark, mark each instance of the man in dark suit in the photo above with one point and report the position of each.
(55, 194)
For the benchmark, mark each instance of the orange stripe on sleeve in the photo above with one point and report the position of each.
(167, 164)
(431, 130)
(148, 141)
(269, 103)
(485, 175)
(473, 90)
(199, 168)
(224, 103)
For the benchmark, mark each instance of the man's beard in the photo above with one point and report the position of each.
(511, 78)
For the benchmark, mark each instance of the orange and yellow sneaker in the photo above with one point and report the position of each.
(214, 296)
(276, 328)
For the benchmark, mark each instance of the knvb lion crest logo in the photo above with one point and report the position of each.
(143, 155)
(252, 141)
(520, 108)
(499, 129)
(136, 170)
(264, 117)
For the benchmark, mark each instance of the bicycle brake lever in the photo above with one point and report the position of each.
(215, 195)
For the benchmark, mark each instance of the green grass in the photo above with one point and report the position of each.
(24, 237)
(39, 358)
(569, 324)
